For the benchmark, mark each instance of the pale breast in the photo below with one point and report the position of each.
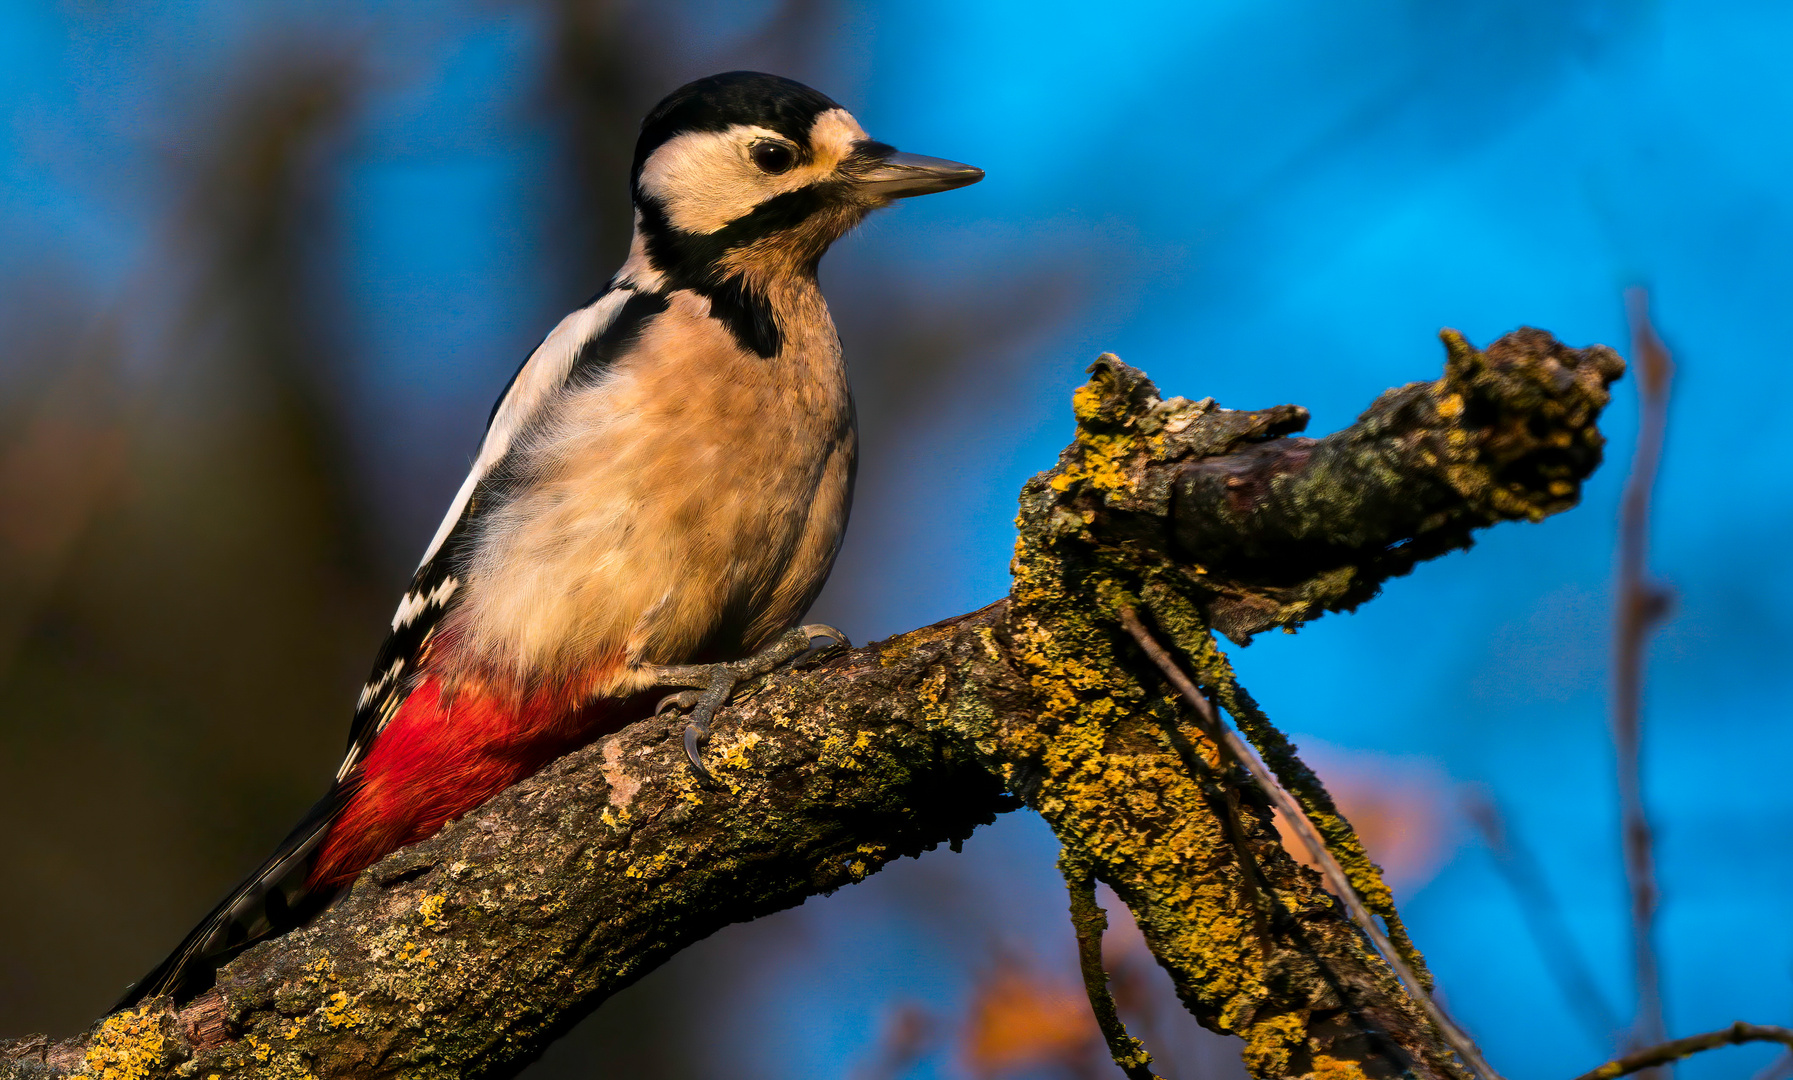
(679, 504)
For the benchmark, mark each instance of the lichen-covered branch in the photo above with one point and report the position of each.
(1316, 525)
(1090, 922)
(1338, 881)
(465, 955)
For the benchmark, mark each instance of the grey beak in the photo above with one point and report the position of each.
(899, 176)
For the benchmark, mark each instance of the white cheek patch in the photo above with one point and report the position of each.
(704, 179)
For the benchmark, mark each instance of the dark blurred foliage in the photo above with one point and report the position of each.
(188, 595)
(190, 586)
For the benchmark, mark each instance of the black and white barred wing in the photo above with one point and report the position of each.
(278, 895)
(582, 344)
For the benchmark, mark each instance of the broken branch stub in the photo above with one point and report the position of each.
(1290, 528)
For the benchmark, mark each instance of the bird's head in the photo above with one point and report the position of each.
(746, 175)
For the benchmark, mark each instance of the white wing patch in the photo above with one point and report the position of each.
(414, 604)
(544, 373)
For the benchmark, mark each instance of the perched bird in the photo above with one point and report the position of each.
(658, 499)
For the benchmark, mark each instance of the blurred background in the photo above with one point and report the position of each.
(263, 268)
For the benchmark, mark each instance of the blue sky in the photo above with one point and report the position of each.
(1262, 202)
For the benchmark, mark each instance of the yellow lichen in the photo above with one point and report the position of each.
(337, 1010)
(1103, 458)
(128, 1046)
(651, 868)
(431, 909)
(1269, 1044)
(1327, 1067)
(737, 755)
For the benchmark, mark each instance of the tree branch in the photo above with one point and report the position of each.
(1090, 922)
(1670, 1052)
(1643, 604)
(1337, 881)
(1317, 525)
(465, 955)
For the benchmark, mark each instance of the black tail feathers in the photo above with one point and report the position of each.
(269, 902)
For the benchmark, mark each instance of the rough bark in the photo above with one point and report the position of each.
(465, 955)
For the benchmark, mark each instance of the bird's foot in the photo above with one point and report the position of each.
(715, 683)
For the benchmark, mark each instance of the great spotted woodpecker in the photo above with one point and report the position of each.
(658, 499)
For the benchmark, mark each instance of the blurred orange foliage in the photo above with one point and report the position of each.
(1402, 810)
(1022, 1018)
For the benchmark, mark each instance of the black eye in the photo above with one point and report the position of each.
(772, 157)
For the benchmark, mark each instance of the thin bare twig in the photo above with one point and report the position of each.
(1642, 604)
(1089, 920)
(1669, 1052)
(1563, 958)
(1336, 879)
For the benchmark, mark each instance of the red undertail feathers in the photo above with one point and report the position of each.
(443, 755)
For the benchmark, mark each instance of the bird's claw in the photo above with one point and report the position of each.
(683, 701)
(813, 632)
(718, 682)
(695, 738)
(703, 705)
